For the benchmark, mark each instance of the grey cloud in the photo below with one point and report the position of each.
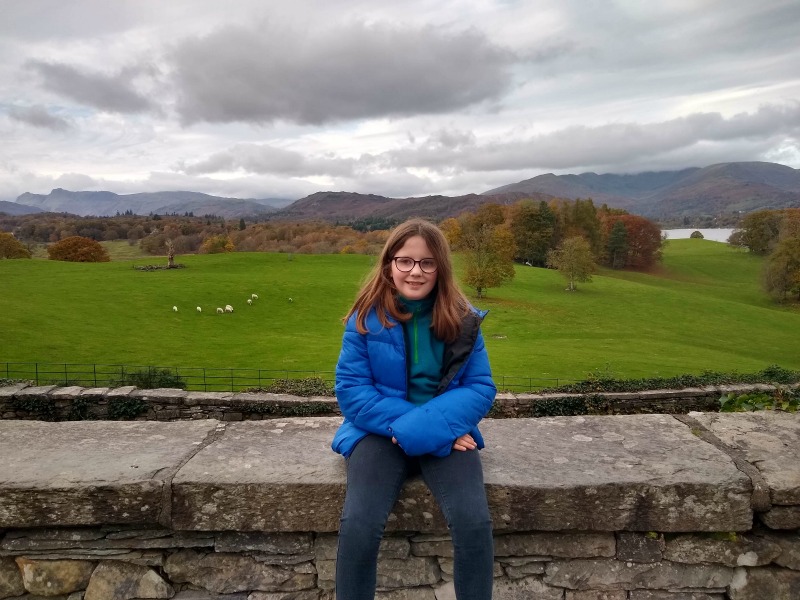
(39, 116)
(452, 138)
(112, 93)
(263, 159)
(613, 144)
(356, 71)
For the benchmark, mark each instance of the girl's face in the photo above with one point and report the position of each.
(415, 284)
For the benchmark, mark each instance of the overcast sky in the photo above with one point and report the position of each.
(258, 98)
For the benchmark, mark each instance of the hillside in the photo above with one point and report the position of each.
(349, 206)
(14, 208)
(713, 190)
(703, 309)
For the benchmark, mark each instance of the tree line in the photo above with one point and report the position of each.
(571, 236)
(189, 235)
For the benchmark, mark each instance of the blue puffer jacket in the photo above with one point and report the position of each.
(371, 386)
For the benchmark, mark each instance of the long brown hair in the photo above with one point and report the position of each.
(379, 290)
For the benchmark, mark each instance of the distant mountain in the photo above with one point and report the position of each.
(103, 204)
(713, 190)
(14, 208)
(722, 189)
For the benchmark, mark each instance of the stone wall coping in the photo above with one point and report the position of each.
(586, 473)
(178, 396)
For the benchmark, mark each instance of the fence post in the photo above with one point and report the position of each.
(94, 370)
(37, 372)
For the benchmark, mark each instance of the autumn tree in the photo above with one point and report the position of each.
(78, 249)
(781, 275)
(643, 238)
(217, 244)
(574, 260)
(487, 246)
(11, 247)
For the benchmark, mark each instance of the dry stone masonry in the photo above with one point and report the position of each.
(703, 506)
(54, 403)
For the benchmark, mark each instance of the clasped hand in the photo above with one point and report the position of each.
(464, 443)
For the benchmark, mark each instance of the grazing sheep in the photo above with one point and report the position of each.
(249, 301)
(254, 296)
(199, 309)
(175, 308)
(228, 308)
(220, 311)
(290, 300)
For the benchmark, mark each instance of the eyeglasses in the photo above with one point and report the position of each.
(405, 264)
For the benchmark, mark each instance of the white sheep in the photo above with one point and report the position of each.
(228, 308)
(199, 309)
(290, 300)
(220, 311)
(254, 296)
(175, 308)
(249, 300)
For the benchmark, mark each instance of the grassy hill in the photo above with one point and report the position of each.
(703, 310)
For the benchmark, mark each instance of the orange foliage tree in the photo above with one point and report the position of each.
(10, 247)
(78, 249)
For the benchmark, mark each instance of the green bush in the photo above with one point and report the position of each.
(780, 399)
(308, 386)
(126, 408)
(150, 379)
(42, 407)
(773, 374)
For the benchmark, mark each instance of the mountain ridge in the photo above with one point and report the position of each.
(720, 189)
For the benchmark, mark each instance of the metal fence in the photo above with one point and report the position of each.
(201, 378)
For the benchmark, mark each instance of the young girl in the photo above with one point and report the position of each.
(413, 381)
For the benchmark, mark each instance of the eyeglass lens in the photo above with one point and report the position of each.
(406, 264)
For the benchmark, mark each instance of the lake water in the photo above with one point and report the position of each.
(715, 235)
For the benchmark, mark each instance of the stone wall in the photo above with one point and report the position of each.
(638, 507)
(76, 403)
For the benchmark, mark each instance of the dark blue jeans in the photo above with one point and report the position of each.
(376, 471)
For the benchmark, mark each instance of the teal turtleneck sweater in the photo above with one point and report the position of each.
(424, 353)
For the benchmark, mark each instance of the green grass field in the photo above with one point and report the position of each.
(703, 310)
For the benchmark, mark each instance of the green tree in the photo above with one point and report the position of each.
(78, 249)
(617, 246)
(574, 260)
(696, 235)
(11, 247)
(759, 231)
(533, 227)
(781, 275)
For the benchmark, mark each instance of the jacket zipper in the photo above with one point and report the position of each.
(416, 339)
